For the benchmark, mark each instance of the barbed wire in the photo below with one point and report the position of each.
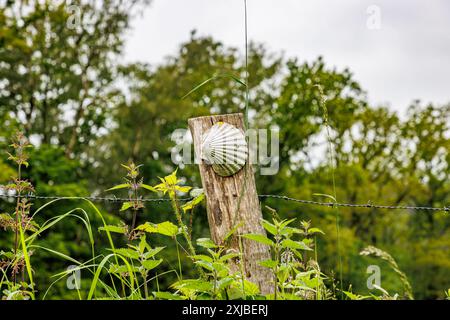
(262, 196)
(354, 205)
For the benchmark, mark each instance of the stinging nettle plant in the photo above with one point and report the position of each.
(295, 274)
(134, 184)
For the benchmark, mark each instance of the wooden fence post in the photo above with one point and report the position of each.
(226, 207)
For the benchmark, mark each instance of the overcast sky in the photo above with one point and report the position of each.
(398, 50)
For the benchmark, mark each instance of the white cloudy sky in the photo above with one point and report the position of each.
(407, 58)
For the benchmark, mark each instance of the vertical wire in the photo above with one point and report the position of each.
(247, 166)
(246, 66)
(331, 162)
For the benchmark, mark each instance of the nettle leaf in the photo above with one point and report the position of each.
(120, 186)
(284, 223)
(207, 265)
(152, 252)
(167, 295)
(143, 244)
(259, 238)
(269, 263)
(151, 264)
(126, 205)
(147, 227)
(315, 230)
(146, 186)
(288, 243)
(171, 179)
(251, 288)
(195, 284)
(129, 253)
(220, 268)
(166, 228)
(191, 204)
(115, 229)
(269, 227)
(225, 282)
(206, 243)
(229, 256)
(183, 188)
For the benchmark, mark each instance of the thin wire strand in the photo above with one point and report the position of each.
(262, 196)
(246, 66)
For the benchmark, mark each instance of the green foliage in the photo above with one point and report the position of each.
(218, 282)
(296, 275)
(60, 87)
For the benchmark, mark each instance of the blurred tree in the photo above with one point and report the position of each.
(144, 123)
(58, 65)
(60, 82)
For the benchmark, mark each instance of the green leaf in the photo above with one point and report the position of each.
(259, 238)
(152, 252)
(251, 288)
(183, 188)
(225, 282)
(315, 230)
(151, 264)
(207, 265)
(288, 243)
(284, 223)
(228, 256)
(191, 204)
(120, 186)
(143, 244)
(126, 205)
(147, 227)
(269, 227)
(166, 228)
(206, 243)
(195, 284)
(146, 186)
(129, 253)
(116, 229)
(269, 263)
(167, 296)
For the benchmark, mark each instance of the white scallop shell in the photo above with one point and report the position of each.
(224, 147)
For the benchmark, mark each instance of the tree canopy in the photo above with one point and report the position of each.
(87, 112)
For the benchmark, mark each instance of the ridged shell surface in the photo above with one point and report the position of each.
(224, 147)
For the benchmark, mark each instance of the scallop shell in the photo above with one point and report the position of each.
(224, 147)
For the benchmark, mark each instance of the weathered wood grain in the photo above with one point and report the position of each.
(226, 208)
